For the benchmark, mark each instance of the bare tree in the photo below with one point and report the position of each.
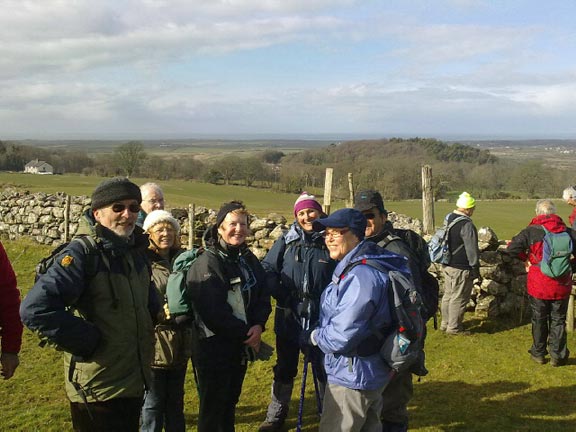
(129, 156)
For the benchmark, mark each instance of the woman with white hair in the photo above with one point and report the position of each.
(164, 400)
(569, 195)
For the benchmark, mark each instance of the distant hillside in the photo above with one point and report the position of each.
(393, 166)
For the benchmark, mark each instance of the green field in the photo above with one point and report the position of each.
(505, 217)
(485, 382)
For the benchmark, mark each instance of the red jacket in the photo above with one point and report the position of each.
(572, 218)
(9, 305)
(528, 245)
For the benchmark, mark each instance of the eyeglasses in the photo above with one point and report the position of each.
(119, 208)
(335, 234)
(163, 229)
(369, 216)
(155, 201)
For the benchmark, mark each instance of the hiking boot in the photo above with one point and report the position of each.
(267, 426)
(557, 362)
(540, 359)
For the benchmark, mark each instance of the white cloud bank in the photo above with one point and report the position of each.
(179, 68)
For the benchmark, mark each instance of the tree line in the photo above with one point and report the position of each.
(392, 166)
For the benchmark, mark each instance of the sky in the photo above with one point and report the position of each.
(143, 69)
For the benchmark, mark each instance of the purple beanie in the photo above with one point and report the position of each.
(306, 201)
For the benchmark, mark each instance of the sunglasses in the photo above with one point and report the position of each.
(334, 234)
(369, 216)
(119, 208)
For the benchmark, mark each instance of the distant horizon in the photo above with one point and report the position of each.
(293, 136)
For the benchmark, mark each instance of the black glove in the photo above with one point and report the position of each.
(305, 340)
(265, 352)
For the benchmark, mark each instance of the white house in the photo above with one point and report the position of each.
(38, 167)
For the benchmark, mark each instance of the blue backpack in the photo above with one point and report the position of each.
(438, 247)
(556, 252)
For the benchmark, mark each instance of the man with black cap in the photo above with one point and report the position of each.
(379, 230)
(96, 304)
(352, 306)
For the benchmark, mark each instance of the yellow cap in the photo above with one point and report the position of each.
(465, 201)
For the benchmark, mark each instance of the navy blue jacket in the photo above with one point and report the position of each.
(298, 268)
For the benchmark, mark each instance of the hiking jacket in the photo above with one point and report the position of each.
(572, 218)
(463, 244)
(171, 349)
(398, 246)
(528, 244)
(10, 324)
(354, 304)
(211, 283)
(298, 268)
(103, 321)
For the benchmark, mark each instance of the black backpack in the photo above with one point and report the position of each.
(90, 250)
(430, 290)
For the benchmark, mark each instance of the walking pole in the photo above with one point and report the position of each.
(302, 390)
(317, 391)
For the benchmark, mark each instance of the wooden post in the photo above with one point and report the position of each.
(351, 190)
(570, 314)
(191, 226)
(328, 190)
(427, 200)
(67, 218)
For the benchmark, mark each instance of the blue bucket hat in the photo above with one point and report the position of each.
(343, 218)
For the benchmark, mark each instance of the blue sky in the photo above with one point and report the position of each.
(382, 68)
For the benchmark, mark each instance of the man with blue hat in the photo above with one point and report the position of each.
(353, 305)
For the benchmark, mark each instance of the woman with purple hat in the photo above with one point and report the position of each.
(298, 267)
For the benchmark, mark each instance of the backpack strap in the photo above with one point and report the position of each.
(449, 226)
(378, 335)
(389, 239)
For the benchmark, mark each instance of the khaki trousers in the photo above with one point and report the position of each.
(458, 286)
(347, 410)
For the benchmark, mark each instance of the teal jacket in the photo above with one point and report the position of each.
(99, 311)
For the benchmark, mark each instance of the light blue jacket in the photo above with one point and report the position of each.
(353, 305)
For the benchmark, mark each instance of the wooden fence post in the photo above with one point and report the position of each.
(351, 190)
(427, 200)
(570, 314)
(328, 190)
(191, 226)
(67, 218)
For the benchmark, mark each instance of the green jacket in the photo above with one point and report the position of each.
(102, 321)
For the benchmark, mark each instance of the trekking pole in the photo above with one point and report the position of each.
(302, 391)
(317, 390)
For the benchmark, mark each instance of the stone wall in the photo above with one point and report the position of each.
(40, 216)
(503, 288)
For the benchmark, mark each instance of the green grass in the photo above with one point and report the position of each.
(485, 382)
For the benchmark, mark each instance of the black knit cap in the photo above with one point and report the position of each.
(227, 208)
(113, 190)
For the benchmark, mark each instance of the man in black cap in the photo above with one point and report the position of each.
(379, 230)
(96, 303)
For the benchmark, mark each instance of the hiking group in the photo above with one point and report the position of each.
(129, 307)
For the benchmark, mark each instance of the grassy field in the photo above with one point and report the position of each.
(485, 382)
(505, 217)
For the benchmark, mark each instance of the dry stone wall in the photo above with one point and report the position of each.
(41, 217)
